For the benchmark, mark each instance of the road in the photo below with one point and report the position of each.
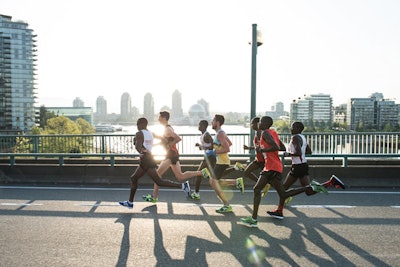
(77, 226)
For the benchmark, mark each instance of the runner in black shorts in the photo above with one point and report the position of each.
(147, 165)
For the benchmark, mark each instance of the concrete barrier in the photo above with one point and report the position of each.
(80, 172)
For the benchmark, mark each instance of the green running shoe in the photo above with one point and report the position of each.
(206, 173)
(288, 200)
(317, 187)
(149, 198)
(249, 221)
(238, 166)
(195, 196)
(240, 184)
(265, 190)
(224, 209)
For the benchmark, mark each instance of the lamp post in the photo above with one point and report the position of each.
(256, 41)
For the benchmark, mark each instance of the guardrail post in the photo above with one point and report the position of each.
(345, 161)
(12, 160)
(112, 161)
(60, 160)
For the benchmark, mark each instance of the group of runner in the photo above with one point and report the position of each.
(216, 164)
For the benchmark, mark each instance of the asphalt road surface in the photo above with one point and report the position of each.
(76, 226)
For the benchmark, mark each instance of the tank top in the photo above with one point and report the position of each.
(302, 158)
(272, 159)
(173, 147)
(222, 159)
(259, 155)
(207, 147)
(147, 139)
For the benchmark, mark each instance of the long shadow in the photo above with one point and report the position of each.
(275, 249)
(125, 220)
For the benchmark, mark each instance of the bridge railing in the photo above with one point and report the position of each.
(378, 144)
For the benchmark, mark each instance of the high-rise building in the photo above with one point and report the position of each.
(148, 107)
(315, 108)
(373, 113)
(126, 107)
(361, 113)
(101, 106)
(78, 103)
(277, 111)
(387, 114)
(17, 75)
(177, 111)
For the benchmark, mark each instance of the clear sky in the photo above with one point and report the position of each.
(91, 48)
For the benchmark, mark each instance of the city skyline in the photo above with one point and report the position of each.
(344, 49)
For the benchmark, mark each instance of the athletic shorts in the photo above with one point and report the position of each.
(299, 170)
(219, 170)
(173, 156)
(270, 175)
(147, 161)
(260, 164)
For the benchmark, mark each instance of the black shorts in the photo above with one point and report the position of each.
(219, 170)
(270, 175)
(147, 161)
(260, 164)
(299, 170)
(173, 156)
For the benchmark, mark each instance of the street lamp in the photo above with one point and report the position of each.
(255, 42)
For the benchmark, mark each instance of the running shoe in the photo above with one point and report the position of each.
(238, 166)
(186, 188)
(150, 198)
(195, 196)
(206, 173)
(336, 182)
(224, 209)
(249, 221)
(265, 190)
(127, 204)
(288, 200)
(317, 187)
(276, 214)
(240, 184)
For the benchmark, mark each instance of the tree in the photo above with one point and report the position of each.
(44, 115)
(85, 126)
(61, 125)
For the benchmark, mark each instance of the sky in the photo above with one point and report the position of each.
(91, 48)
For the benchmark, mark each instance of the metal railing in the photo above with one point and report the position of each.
(343, 145)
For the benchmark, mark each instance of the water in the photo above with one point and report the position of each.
(186, 129)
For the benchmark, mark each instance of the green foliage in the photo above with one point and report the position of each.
(44, 115)
(21, 145)
(282, 126)
(85, 127)
(59, 126)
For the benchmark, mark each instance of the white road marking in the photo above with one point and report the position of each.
(20, 204)
(323, 206)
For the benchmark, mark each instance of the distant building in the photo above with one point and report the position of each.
(374, 113)
(205, 105)
(101, 106)
(176, 111)
(72, 113)
(78, 103)
(387, 114)
(148, 107)
(17, 75)
(197, 113)
(277, 111)
(315, 108)
(126, 106)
